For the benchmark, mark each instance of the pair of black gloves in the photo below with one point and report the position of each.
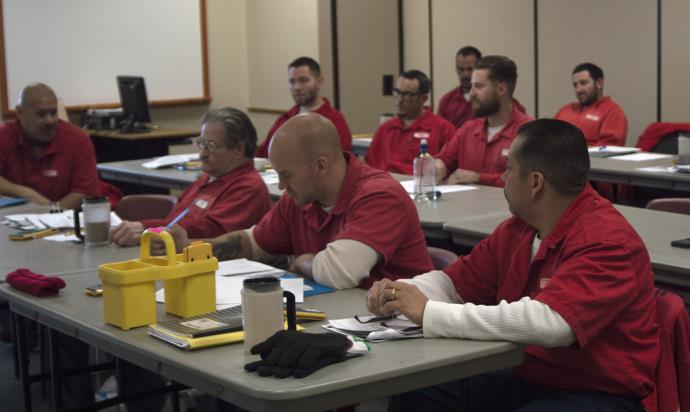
(288, 353)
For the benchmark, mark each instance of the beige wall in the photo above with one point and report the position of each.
(570, 33)
(367, 49)
(416, 35)
(675, 61)
(494, 27)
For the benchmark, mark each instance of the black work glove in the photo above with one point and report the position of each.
(288, 352)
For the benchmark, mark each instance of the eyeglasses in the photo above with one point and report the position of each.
(202, 143)
(405, 95)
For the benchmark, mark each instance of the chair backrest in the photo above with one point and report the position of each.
(441, 258)
(671, 204)
(139, 207)
(668, 144)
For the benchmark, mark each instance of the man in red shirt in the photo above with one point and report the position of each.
(396, 142)
(230, 195)
(44, 159)
(478, 151)
(330, 216)
(566, 275)
(456, 105)
(304, 76)
(601, 120)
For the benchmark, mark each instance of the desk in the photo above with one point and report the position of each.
(611, 170)
(111, 145)
(54, 258)
(391, 367)
(657, 229)
(485, 199)
(360, 145)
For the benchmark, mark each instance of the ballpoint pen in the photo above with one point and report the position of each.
(177, 219)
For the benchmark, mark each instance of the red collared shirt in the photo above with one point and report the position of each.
(603, 122)
(372, 208)
(594, 271)
(470, 150)
(325, 110)
(454, 108)
(236, 200)
(66, 165)
(394, 146)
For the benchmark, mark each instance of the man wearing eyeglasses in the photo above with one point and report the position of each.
(305, 79)
(396, 142)
(230, 195)
(478, 151)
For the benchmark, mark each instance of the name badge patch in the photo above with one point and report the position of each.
(593, 117)
(543, 282)
(201, 204)
(505, 152)
(50, 173)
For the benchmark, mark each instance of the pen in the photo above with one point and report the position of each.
(602, 148)
(177, 219)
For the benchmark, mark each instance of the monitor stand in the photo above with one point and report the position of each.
(130, 125)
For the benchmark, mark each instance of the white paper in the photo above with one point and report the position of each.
(63, 220)
(62, 237)
(378, 331)
(245, 267)
(643, 156)
(269, 177)
(228, 290)
(613, 149)
(170, 160)
(409, 187)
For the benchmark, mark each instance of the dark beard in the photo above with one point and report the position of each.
(486, 109)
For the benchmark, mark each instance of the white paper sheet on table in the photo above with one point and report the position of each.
(62, 237)
(269, 177)
(398, 327)
(170, 160)
(228, 290)
(409, 187)
(63, 220)
(642, 156)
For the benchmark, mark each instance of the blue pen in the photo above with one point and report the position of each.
(177, 219)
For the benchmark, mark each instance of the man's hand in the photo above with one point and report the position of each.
(404, 298)
(33, 196)
(462, 177)
(127, 233)
(179, 235)
(302, 265)
(376, 299)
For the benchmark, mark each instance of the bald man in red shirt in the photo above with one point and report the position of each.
(43, 159)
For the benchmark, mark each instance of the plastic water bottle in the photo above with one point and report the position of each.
(424, 174)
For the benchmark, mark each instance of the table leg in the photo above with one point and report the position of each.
(23, 359)
(55, 373)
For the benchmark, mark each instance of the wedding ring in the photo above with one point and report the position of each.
(392, 297)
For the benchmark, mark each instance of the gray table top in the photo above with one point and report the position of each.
(390, 368)
(657, 230)
(613, 170)
(52, 258)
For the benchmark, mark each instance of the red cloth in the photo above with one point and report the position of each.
(454, 108)
(66, 165)
(602, 123)
(394, 146)
(325, 110)
(656, 131)
(594, 271)
(34, 283)
(469, 149)
(372, 208)
(236, 200)
(672, 392)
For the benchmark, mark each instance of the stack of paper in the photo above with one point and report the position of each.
(269, 177)
(170, 160)
(63, 220)
(376, 329)
(607, 151)
(409, 187)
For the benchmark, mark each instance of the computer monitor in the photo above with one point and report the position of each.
(135, 104)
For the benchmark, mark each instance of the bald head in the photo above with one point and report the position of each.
(307, 136)
(35, 92)
(37, 113)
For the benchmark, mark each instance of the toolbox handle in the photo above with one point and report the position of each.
(159, 233)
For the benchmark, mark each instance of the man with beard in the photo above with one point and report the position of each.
(330, 216)
(304, 76)
(478, 151)
(456, 105)
(396, 142)
(230, 195)
(44, 159)
(601, 120)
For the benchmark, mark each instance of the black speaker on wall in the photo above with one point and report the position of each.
(387, 84)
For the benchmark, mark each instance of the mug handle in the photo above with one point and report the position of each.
(77, 226)
(291, 310)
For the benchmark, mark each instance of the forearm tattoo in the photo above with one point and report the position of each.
(230, 249)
